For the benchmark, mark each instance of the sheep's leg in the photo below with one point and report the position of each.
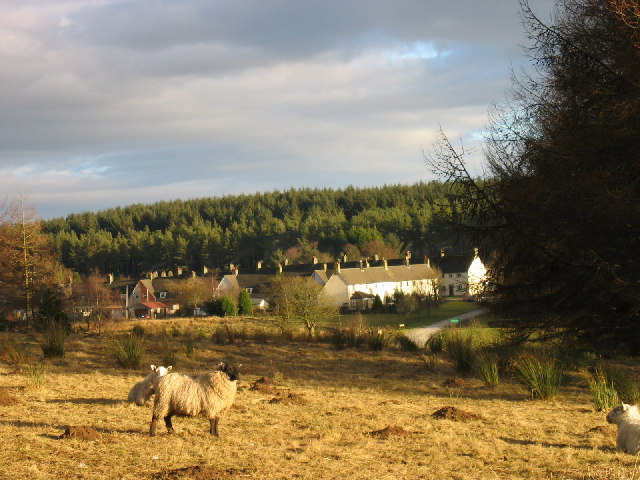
(214, 426)
(167, 422)
(152, 428)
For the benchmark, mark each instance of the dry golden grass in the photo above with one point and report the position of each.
(342, 397)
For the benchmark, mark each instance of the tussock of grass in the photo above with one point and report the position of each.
(541, 372)
(127, 350)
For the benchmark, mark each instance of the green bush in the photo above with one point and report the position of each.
(541, 372)
(127, 350)
(459, 347)
(222, 307)
(244, 303)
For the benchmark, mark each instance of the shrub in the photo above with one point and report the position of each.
(487, 364)
(226, 307)
(50, 311)
(11, 352)
(460, 348)
(52, 341)
(376, 340)
(541, 372)
(436, 343)
(603, 392)
(244, 303)
(623, 383)
(127, 350)
(406, 344)
(138, 330)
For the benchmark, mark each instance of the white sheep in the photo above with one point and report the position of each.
(627, 418)
(210, 394)
(141, 392)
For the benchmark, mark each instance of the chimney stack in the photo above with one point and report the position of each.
(384, 262)
(338, 266)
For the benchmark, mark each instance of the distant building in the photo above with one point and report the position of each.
(355, 287)
(461, 274)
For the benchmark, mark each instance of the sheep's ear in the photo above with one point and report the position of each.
(153, 367)
(169, 368)
(625, 407)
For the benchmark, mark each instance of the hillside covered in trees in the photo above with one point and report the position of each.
(296, 224)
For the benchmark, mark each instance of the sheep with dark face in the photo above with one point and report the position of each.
(627, 418)
(210, 394)
(142, 391)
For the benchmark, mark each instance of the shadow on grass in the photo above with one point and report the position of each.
(517, 441)
(23, 424)
(89, 401)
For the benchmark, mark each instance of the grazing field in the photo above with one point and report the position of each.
(302, 411)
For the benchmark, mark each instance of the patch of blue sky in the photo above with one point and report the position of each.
(417, 51)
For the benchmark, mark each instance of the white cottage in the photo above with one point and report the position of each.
(462, 274)
(365, 282)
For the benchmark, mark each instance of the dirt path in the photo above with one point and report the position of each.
(422, 334)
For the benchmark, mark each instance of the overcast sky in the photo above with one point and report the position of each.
(106, 103)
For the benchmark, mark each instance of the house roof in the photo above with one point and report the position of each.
(455, 263)
(401, 273)
(361, 295)
(256, 280)
(152, 305)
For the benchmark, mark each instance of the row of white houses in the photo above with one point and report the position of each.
(352, 285)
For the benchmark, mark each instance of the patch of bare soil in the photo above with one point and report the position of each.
(455, 382)
(389, 431)
(81, 433)
(606, 430)
(6, 399)
(264, 385)
(197, 472)
(288, 398)
(453, 413)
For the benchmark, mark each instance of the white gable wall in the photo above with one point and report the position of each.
(477, 276)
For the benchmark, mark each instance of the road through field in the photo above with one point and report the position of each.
(422, 334)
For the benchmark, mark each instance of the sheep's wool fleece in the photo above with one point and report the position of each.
(208, 394)
(141, 392)
(628, 420)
